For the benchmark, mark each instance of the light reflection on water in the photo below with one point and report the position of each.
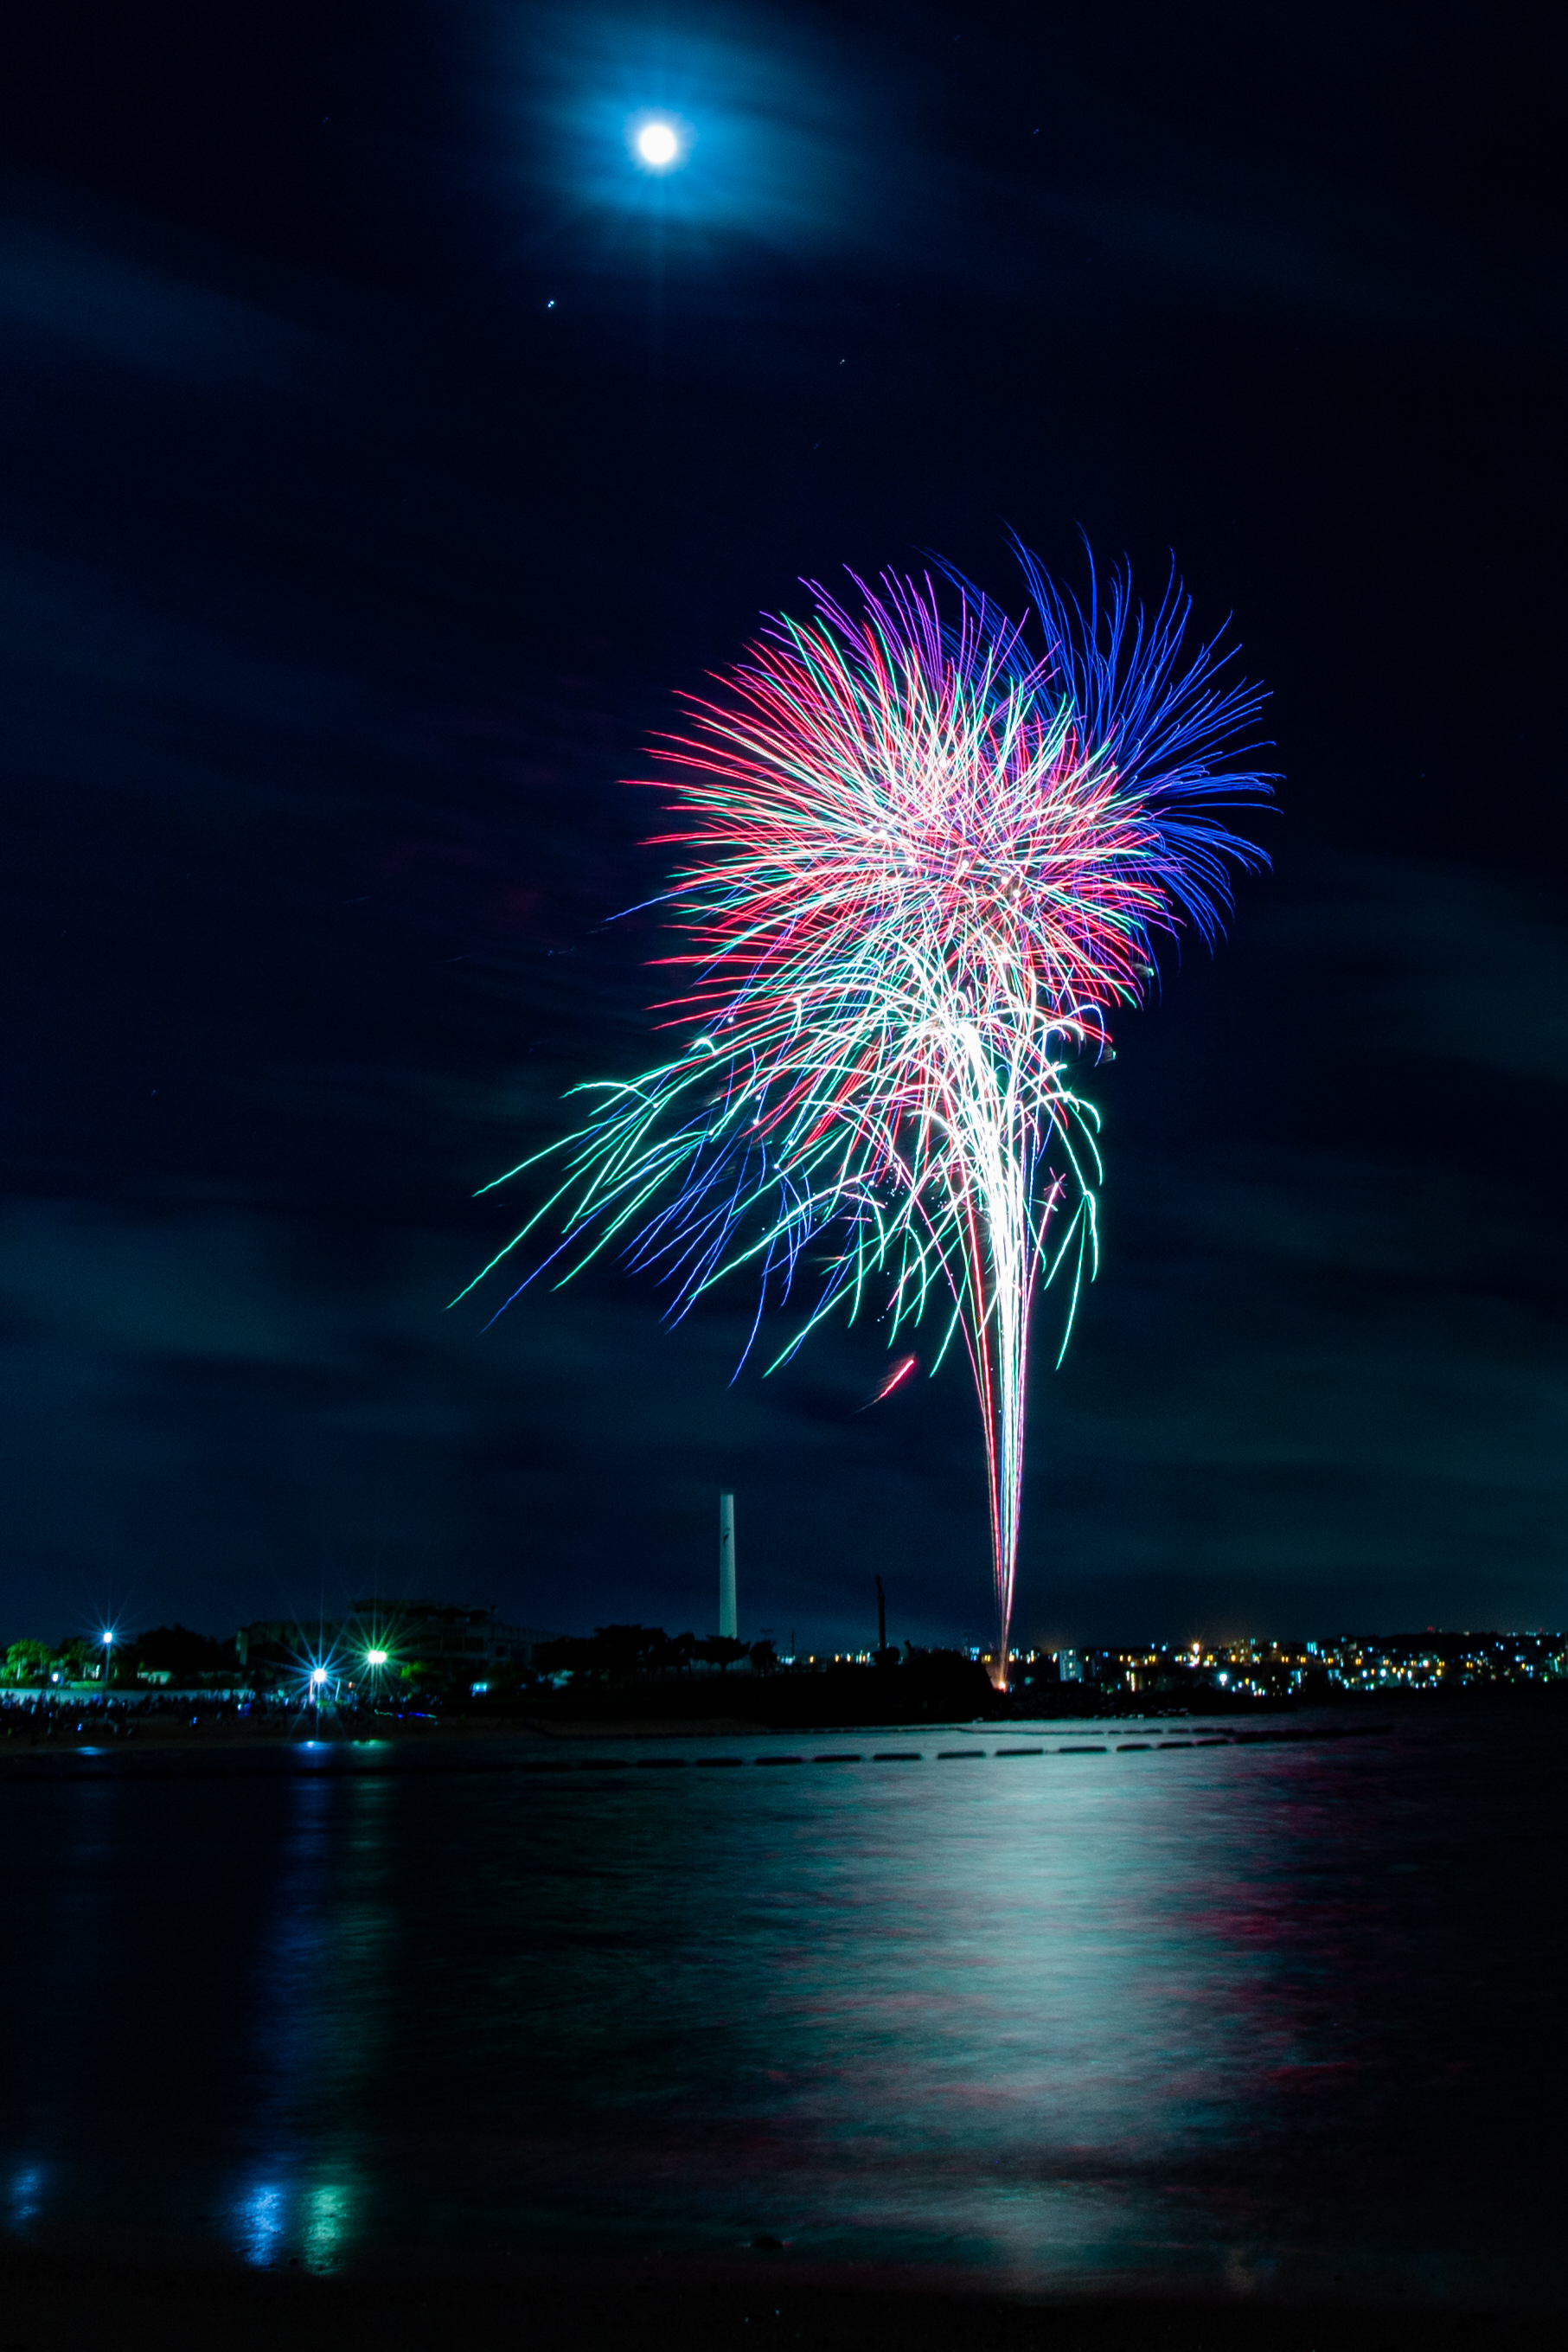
(273, 2218)
(25, 2199)
(260, 2217)
(1242, 2016)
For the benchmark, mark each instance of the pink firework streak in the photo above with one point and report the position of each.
(922, 867)
(894, 1380)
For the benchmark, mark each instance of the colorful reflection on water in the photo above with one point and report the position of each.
(1256, 2016)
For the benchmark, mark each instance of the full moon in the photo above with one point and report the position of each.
(657, 146)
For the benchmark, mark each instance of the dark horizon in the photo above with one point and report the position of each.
(385, 457)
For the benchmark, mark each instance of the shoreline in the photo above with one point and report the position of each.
(27, 1752)
(238, 1735)
(198, 1724)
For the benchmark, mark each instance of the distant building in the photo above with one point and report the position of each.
(1069, 1667)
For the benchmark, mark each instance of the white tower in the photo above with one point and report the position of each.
(726, 1566)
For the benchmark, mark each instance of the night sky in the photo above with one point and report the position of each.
(383, 452)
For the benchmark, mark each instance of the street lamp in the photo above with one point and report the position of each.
(108, 1661)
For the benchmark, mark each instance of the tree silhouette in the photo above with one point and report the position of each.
(721, 1650)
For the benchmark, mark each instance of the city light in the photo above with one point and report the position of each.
(318, 1675)
(375, 1657)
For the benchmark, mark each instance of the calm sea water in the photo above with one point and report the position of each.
(1284, 2016)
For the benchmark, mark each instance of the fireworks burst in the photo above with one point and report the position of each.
(923, 865)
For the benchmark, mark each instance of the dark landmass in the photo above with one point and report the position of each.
(947, 1690)
(845, 1698)
(56, 2304)
(744, 2305)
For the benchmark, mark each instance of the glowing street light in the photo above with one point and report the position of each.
(375, 1657)
(107, 1637)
